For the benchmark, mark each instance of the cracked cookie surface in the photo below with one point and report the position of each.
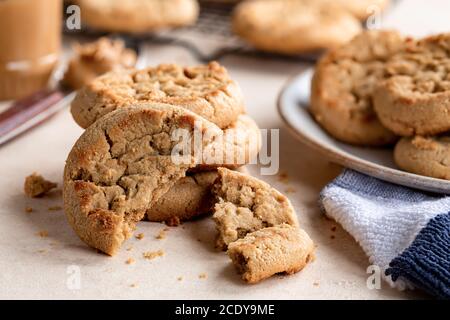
(415, 99)
(343, 85)
(246, 204)
(293, 26)
(122, 165)
(428, 156)
(206, 90)
(263, 253)
(137, 15)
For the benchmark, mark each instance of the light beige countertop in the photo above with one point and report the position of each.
(61, 266)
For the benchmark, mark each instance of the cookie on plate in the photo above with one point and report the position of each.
(343, 85)
(263, 253)
(415, 99)
(293, 26)
(122, 165)
(206, 90)
(137, 16)
(246, 204)
(428, 156)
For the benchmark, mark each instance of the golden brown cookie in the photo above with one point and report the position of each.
(343, 85)
(266, 252)
(427, 156)
(293, 26)
(246, 204)
(206, 90)
(122, 165)
(188, 198)
(137, 15)
(415, 99)
(96, 58)
(237, 145)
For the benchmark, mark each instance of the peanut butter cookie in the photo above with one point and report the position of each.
(415, 99)
(263, 253)
(206, 90)
(343, 84)
(137, 15)
(122, 165)
(96, 58)
(428, 156)
(294, 26)
(190, 197)
(36, 186)
(238, 145)
(246, 204)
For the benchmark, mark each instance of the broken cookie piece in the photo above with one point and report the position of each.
(36, 186)
(280, 249)
(96, 58)
(246, 204)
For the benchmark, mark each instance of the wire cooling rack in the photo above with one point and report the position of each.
(211, 38)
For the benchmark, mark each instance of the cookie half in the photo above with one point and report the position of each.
(122, 165)
(343, 85)
(206, 90)
(293, 26)
(246, 204)
(137, 15)
(427, 156)
(415, 99)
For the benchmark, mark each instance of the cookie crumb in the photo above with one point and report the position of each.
(130, 261)
(316, 284)
(130, 248)
(54, 208)
(133, 285)
(28, 209)
(42, 251)
(180, 278)
(140, 236)
(150, 255)
(202, 276)
(36, 186)
(283, 177)
(162, 234)
(43, 234)
(173, 222)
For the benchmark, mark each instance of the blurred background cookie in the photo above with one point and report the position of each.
(137, 15)
(96, 58)
(294, 26)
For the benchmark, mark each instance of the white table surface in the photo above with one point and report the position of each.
(33, 267)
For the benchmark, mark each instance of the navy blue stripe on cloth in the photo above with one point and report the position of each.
(426, 262)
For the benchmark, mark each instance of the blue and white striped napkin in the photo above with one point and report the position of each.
(405, 232)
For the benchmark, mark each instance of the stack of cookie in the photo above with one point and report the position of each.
(380, 86)
(130, 165)
(297, 26)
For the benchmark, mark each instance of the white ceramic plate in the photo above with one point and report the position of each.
(292, 106)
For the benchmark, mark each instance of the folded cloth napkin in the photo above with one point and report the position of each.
(405, 232)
